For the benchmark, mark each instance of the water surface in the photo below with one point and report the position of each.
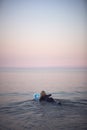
(18, 110)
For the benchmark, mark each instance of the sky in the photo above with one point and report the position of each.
(43, 33)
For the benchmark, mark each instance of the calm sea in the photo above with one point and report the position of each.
(18, 110)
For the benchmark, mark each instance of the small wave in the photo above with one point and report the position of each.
(15, 94)
(30, 114)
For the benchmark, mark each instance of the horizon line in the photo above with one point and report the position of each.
(49, 67)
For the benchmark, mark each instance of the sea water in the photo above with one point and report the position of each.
(18, 110)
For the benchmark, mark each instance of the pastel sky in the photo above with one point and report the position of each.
(43, 33)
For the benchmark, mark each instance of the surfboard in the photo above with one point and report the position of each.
(36, 97)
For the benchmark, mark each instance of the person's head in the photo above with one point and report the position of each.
(43, 93)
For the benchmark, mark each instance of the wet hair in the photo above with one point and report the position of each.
(43, 93)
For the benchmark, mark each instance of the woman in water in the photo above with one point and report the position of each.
(45, 97)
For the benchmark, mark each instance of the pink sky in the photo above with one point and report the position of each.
(43, 34)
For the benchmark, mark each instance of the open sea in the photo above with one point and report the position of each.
(19, 111)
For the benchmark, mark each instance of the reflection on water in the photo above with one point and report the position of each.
(18, 110)
(51, 80)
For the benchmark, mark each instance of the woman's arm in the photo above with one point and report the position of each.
(49, 95)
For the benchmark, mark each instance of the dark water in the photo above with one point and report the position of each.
(18, 110)
(33, 115)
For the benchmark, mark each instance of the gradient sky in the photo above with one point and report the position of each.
(43, 33)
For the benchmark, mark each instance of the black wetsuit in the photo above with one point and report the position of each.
(47, 98)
